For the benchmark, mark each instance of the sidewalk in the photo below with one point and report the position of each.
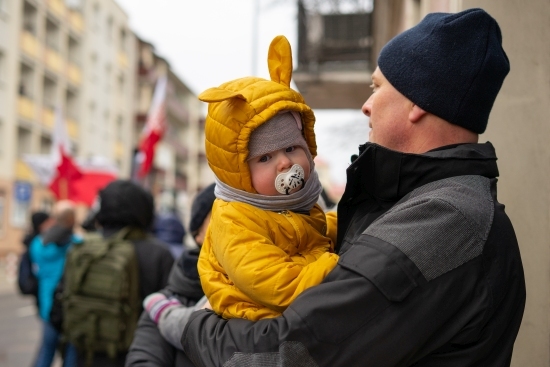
(8, 274)
(20, 328)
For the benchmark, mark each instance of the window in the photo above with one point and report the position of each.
(121, 84)
(1, 134)
(96, 16)
(50, 92)
(29, 18)
(2, 67)
(122, 39)
(26, 81)
(45, 144)
(23, 141)
(92, 118)
(71, 105)
(119, 127)
(73, 48)
(3, 6)
(109, 30)
(52, 35)
(93, 68)
(2, 209)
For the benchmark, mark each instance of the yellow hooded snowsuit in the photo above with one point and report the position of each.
(254, 262)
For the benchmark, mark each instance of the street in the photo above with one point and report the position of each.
(20, 328)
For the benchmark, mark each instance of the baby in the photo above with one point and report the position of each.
(268, 239)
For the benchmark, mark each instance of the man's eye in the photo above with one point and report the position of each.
(290, 149)
(373, 87)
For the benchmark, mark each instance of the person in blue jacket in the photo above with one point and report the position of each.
(47, 252)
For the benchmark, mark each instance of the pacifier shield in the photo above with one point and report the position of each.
(288, 181)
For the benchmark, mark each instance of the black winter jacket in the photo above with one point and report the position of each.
(429, 274)
(148, 348)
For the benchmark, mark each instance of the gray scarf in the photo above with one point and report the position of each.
(301, 201)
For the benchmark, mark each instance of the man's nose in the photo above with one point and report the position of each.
(367, 106)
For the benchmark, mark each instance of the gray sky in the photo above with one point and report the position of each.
(209, 42)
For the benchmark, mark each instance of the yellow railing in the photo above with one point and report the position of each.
(29, 44)
(53, 60)
(25, 108)
(76, 21)
(119, 149)
(74, 74)
(48, 117)
(72, 128)
(23, 171)
(57, 7)
(122, 60)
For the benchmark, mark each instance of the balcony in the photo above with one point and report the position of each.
(23, 171)
(122, 60)
(29, 44)
(334, 59)
(26, 108)
(48, 117)
(76, 21)
(119, 150)
(74, 74)
(72, 128)
(53, 60)
(57, 7)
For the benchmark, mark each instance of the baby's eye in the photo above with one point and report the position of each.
(290, 149)
(263, 158)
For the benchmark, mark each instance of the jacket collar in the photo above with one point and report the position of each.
(389, 175)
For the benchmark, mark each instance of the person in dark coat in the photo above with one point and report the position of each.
(169, 229)
(430, 272)
(149, 348)
(122, 204)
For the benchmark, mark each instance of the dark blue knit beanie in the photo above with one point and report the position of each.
(451, 65)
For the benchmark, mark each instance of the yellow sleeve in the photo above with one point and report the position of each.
(332, 226)
(261, 270)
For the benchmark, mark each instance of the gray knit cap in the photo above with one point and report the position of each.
(279, 132)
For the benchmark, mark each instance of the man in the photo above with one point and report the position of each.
(47, 253)
(430, 272)
(124, 204)
(151, 346)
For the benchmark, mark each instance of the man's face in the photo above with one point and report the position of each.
(388, 112)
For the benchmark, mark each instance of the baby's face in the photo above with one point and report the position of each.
(264, 169)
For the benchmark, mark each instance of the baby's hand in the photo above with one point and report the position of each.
(157, 303)
(206, 306)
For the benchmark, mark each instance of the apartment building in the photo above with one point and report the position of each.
(69, 54)
(179, 168)
(106, 103)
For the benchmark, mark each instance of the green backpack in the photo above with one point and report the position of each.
(101, 301)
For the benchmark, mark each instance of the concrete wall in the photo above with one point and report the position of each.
(519, 128)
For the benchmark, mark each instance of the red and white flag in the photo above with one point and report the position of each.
(66, 171)
(154, 128)
(65, 176)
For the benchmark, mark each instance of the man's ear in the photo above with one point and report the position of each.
(416, 113)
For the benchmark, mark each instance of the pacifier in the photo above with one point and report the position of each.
(287, 181)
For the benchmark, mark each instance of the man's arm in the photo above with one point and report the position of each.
(413, 286)
(149, 349)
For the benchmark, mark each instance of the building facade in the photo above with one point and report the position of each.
(179, 169)
(71, 55)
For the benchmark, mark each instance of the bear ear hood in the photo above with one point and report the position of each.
(238, 107)
(279, 61)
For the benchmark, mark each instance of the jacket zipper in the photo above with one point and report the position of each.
(290, 218)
